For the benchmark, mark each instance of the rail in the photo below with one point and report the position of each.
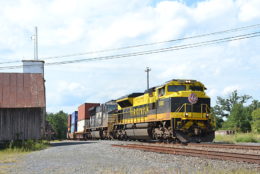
(208, 145)
(239, 157)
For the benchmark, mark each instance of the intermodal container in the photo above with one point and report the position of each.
(82, 125)
(73, 128)
(74, 117)
(83, 113)
(69, 120)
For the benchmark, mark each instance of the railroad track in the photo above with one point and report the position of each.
(249, 158)
(227, 146)
(223, 146)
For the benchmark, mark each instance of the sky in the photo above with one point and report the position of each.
(70, 27)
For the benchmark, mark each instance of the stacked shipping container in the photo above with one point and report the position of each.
(74, 121)
(83, 115)
(69, 122)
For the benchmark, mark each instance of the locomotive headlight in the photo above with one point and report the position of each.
(207, 115)
(186, 114)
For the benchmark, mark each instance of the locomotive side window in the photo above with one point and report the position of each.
(196, 88)
(110, 107)
(161, 92)
(176, 88)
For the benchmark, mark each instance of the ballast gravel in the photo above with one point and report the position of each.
(80, 157)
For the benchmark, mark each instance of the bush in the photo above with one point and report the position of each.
(256, 120)
(26, 145)
(246, 138)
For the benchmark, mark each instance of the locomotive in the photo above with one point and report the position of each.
(178, 110)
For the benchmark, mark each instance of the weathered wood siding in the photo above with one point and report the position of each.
(21, 123)
(19, 90)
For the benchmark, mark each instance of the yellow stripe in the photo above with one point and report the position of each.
(165, 116)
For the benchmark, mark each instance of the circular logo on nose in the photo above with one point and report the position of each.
(193, 98)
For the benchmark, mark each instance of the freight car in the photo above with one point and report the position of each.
(178, 110)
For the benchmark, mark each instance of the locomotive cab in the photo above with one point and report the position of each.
(190, 110)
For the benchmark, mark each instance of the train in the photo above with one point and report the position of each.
(176, 111)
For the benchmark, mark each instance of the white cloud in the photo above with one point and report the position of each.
(177, 71)
(213, 9)
(249, 10)
(67, 27)
(229, 89)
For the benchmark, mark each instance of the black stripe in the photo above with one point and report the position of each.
(179, 101)
(167, 105)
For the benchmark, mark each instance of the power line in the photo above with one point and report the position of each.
(147, 44)
(160, 50)
(154, 51)
(155, 43)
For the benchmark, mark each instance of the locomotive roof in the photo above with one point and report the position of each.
(153, 88)
(136, 94)
(182, 80)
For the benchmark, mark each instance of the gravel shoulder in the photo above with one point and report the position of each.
(92, 157)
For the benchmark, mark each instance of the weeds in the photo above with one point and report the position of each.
(239, 138)
(24, 146)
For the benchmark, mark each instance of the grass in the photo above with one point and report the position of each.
(25, 146)
(8, 157)
(238, 138)
(10, 152)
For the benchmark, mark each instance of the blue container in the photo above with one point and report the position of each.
(73, 128)
(74, 118)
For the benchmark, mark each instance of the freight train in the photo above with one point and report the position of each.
(178, 110)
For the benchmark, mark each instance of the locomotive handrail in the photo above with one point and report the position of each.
(184, 107)
(179, 108)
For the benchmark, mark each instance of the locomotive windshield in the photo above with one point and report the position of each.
(111, 107)
(196, 88)
(176, 88)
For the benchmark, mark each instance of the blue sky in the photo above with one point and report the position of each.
(187, 2)
(68, 27)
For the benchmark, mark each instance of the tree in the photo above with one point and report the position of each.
(255, 104)
(239, 119)
(225, 105)
(256, 120)
(58, 121)
(219, 120)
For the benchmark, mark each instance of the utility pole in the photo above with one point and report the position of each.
(147, 71)
(36, 44)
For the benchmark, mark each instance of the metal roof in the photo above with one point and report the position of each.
(22, 90)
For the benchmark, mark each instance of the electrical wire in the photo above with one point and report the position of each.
(154, 51)
(155, 43)
(142, 45)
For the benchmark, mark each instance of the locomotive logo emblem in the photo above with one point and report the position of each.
(193, 98)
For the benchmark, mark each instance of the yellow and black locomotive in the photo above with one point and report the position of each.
(179, 110)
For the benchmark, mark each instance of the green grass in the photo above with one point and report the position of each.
(25, 146)
(9, 156)
(10, 152)
(238, 138)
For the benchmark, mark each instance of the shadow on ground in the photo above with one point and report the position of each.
(70, 143)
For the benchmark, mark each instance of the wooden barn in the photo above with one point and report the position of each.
(22, 106)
